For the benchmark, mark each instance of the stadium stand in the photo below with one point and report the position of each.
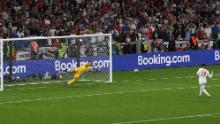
(137, 25)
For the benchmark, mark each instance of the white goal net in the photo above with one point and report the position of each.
(31, 60)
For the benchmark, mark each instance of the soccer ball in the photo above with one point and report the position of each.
(60, 76)
(18, 78)
(136, 70)
(47, 76)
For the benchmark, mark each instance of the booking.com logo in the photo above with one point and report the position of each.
(217, 55)
(73, 64)
(159, 59)
(16, 69)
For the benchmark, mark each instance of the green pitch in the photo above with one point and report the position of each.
(153, 96)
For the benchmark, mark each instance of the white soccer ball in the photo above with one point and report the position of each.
(136, 70)
(47, 76)
(60, 76)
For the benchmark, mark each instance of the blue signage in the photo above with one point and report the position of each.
(120, 62)
(166, 59)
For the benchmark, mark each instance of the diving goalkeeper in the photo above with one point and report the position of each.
(78, 71)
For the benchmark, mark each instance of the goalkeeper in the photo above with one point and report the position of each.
(78, 71)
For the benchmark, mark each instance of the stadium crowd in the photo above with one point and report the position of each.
(154, 22)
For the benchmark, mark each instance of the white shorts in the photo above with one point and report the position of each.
(202, 84)
(202, 81)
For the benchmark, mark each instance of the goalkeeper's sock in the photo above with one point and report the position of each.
(71, 81)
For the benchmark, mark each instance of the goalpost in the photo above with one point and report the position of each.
(1, 64)
(36, 59)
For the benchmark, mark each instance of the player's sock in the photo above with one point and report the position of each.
(204, 90)
(200, 92)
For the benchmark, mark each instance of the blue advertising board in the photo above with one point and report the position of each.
(121, 62)
(166, 59)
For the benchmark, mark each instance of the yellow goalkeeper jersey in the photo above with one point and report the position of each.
(82, 68)
(79, 70)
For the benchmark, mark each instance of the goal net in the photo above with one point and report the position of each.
(36, 59)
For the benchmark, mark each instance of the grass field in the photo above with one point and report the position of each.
(153, 96)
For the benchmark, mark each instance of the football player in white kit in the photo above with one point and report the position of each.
(202, 74)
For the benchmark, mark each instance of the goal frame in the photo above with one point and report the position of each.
(2, 65)
(53, 37)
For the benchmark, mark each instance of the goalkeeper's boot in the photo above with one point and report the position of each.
(66, 84)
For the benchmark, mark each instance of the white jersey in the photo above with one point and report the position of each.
(203, 73)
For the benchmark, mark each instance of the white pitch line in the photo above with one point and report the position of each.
(214, 79)
(31, 88)
(88, 95)
(197, 87)
(152, 79)
(190, 77)
(41, 87)
(215, 85)
(169, 118)
(47, 82)
(216, 116)
(11, 85)
(180, 88)
(167, 88)
(89, 83)
(124, 80)
(59, 81)
(179, 77)
(115, 82)
(164, 78)
(33, 83)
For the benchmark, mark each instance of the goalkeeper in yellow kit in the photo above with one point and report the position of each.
(78, 71)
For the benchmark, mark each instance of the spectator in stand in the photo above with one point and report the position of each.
(153, 19)
(34, 48)
(193, 42)
(215, 31)
(172, 45)
(218, 40)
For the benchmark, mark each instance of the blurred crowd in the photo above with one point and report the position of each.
(151, 22)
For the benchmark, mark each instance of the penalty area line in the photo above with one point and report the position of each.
(169, 118)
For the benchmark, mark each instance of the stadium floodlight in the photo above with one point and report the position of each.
(38, 58)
